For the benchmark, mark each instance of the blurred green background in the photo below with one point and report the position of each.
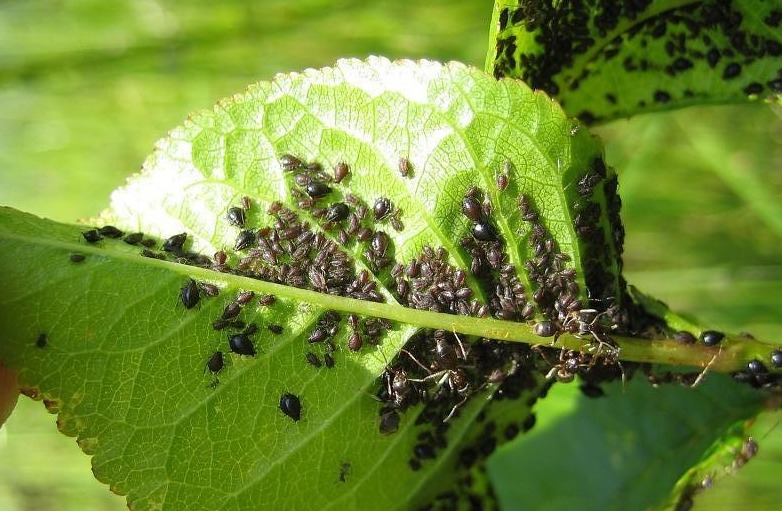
(86, 88)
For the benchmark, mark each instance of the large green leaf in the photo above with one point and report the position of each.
(604, 60)
(623, 451)
(123, 361)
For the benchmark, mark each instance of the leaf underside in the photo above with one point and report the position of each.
(125, 363)
(606, 60)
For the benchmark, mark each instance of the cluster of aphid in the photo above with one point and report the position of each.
(330, 243)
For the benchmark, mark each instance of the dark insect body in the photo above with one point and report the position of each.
(244, 240)
(340, 172)
(290, 405)
(190, 294)
(405, 167)
(133, 238)
(110, 231)
(317, 190)
(241, 344)
(776, 358)
(92, 236)
(712, 337)
(483, 230)
(231, 310)
(756, 367)
(328, 360)
(288, 162)
(245, 297)
(77, 258)
(312, 359)
(215, 362)
(337, 212)
(175, 242)
(275, 328)
(235, 216)
(42, 341)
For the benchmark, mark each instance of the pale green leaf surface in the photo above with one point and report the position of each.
(624, 451)
(125, 361)
(618, 59)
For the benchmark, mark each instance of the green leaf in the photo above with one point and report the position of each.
(624, 58)
(624, 451)
(124, 361)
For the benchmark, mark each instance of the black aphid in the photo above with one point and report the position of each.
(110, 231)
(289, 162)
(231, 310)
(92, 236)
(312, 359)
(42, 341)
(133, 238)
(215, 362)
(684, 337)
(175, 243)
(502, 182)
(244, 240)
(245, 297)
(389, 421)
(337, 212)
(340, 172)
(209, 289)
(776, 358)
(241, 344)
(354, 341)
(711, 337)
(484, 231)
(275, 328)
(756, 367)
(148, 242)
(77, 258)
(290, 405)
(471, 208)
(235, 216)
(267, 300)
(328, 360)
(381, 208)
(379, 243)
(190, 294)
(317, 189)
(544, 329)
(153, 255)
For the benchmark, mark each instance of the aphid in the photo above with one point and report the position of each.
(544, 329)
(711, 337)
(267, 300)
(337, 212)
(317, 189)
(389, 421)
(328, 361)
(153, 255)
(484, 231)
(340, 172)
(471, 208)
(312, 359)
(354, 341)
(756, 367)
(405, 167)
(42, 341)
(77, 258)
(110, 231)
(318, 335)
(684, 337)
(381, 208)
(215, 362)
(209, 289)
(379, 243)
(245, 297)
(274, 328)
(244, 240)
(235, 216)
(290, 405)
(92, 236)
(133, 238)
(231, 310)
(364, 234)
(302, 179)
(502, 182)
(776, 358)
(246, 203)
(190, 294)
(241, 344)
(148, 242)
(175, 242)
(344, 470)
(288, 162)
